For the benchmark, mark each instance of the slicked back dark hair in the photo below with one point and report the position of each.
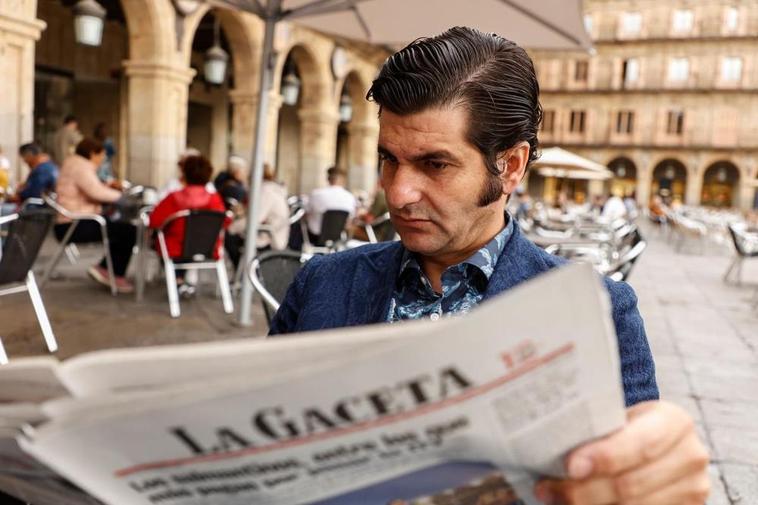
(489, 75)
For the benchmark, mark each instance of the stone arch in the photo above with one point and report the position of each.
(670, 178)
(720, 185)
(314, 85)
(152, 32)
(625, 176)
(243, 32)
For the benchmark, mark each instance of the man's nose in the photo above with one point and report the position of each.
(404, 187)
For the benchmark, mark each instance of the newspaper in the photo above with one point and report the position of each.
(467, 408)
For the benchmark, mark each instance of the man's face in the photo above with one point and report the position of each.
(30, 160)
(434, 180)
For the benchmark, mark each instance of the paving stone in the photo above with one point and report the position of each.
(741, 483)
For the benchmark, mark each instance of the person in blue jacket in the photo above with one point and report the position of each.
(459, 115)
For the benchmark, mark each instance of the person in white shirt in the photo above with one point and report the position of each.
(332, 197)
(613, 208)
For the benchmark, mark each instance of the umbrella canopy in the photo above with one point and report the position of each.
(562, 173)
(556, 24)
(555, 161)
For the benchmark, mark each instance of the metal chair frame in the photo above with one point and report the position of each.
(170, 267)
(30, 286)
(76, 218)
(738, 239)
(254, 275)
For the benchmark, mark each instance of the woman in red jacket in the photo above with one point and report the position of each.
(196, 172)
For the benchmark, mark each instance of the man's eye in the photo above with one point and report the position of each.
(435, 164)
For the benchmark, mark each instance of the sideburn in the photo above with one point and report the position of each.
(491, 191)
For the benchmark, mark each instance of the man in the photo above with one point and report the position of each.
(332, 197)
(230, 183)
(66, 139)
(43, 175)
(458, 126)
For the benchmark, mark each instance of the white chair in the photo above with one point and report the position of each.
(75, 219)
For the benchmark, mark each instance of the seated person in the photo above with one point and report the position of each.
(175, 183)
(231, 182)
(273, 212)
(332, 197)
(458, 123)
(196, 172)
(80, 191)
(383, 231)
(43, 175)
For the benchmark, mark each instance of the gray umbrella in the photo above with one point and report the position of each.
(555, 24)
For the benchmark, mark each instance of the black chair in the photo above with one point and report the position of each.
(629, 258)
(271, 274)
(745, 246)
(20, 248)
(202, 230)
(332, 236)
(380, 229)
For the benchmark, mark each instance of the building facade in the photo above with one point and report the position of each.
(146, 83)
(668, 100)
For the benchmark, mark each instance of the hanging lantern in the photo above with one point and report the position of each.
(346, 106)
(89, 17)
(621, 171)
(670, 173)
(721, 175)
(290, 87)
(216, 60)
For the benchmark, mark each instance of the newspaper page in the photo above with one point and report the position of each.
(466, 408)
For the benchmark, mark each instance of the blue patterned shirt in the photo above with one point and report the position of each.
(463, 285)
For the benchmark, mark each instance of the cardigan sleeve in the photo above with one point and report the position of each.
(637, 366)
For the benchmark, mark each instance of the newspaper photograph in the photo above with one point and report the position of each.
(468, 409)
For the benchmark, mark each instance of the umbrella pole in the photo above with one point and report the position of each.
(256, 174)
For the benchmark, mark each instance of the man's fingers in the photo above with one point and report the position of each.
(692, 490)
(574, 492)
(689, 456)
(653, 429)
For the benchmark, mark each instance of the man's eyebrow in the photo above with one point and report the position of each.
(385, 152)
(441, 154)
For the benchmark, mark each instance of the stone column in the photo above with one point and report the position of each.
(644, 186)
(362, 156)
(318, 146)
(744, 196)
(694, 190)
(157, 120)
(243, 122)
(19, 31)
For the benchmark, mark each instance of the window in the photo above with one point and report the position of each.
(731, 19)
(630, 71)
(679, 69)
(682, 21)
(731, 69)
(631, 23)
(675, 122)
(625, 121)
(581, 69)
(576, 124)
(548, 121)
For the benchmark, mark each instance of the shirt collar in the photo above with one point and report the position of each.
(483, 260)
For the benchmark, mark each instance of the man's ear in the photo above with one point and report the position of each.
(512, 164)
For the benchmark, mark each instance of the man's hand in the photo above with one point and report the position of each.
(656, 459)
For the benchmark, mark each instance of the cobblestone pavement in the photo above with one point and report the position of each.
(704, 336)
(85, 317)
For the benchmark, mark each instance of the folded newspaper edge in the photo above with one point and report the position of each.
(408, 413)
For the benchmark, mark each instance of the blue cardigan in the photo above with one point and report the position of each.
(355, 287)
